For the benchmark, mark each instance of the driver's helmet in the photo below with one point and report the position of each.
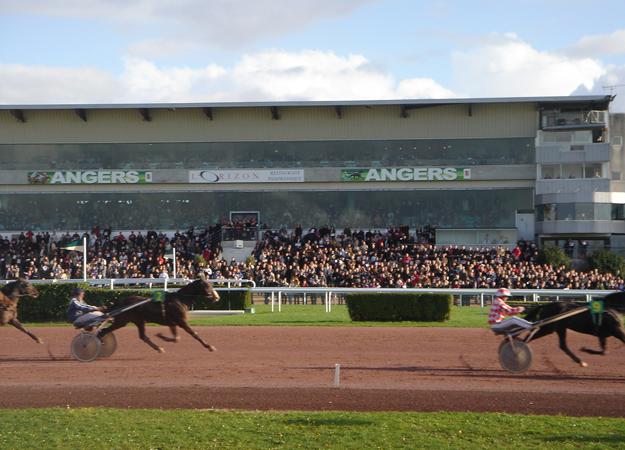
(503, 292)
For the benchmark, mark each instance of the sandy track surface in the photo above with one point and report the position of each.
(382, 369)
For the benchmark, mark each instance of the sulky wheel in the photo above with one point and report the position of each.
(109, 345)
(86, 347)
(515, 356)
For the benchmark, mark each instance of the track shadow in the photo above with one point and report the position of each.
(32, 359)
(478, 373)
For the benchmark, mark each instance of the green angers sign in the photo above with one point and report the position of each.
(90, 177)
(406, 174)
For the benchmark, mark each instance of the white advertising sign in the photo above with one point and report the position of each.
(247, 176)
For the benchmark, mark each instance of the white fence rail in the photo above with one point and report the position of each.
(330, 293)
(150, 282)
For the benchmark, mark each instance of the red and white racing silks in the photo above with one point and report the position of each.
(500, 309)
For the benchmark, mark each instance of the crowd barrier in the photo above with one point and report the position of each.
(330, 294)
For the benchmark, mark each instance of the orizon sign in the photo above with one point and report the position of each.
(407, 174)
(247, 176)
(90, 177)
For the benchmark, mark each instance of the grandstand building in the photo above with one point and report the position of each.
(482, 171)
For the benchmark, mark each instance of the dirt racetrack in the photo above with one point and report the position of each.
(383, 369)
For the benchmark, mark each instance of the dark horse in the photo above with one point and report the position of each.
(171, 312)
(9, 298)
(610, 323)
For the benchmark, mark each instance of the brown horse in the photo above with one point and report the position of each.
(171, 312)
(9, 298)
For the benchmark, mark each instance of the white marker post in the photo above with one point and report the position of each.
(174, 253)
(337, 375)
(84, 258)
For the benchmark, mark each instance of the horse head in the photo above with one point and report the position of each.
(200, 288)
(20, 288)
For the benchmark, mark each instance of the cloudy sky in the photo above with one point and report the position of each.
(73, 51)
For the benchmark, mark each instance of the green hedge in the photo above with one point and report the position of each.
(53, 299)
(399, 307)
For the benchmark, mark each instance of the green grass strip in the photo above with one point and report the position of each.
(195, 429)
(315, 315)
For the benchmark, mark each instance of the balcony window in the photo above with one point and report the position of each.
(572, 118)
(579, 211)
(550, 172)
(572, 171)
(593, 171)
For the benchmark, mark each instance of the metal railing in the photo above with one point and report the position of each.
(481, 295)
(330, 294)
(150, 282)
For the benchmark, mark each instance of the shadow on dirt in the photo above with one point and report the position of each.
(478, 373)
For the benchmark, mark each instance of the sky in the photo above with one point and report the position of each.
(122, 51)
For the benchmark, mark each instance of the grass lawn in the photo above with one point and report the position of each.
(315, 315)
(194, 429)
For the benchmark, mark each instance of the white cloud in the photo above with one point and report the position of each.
(508, 66)
(20, 84)
(317, 75)
(269, 75)
(224, 23)
(500, 66)
(614, 76)
(144, 81)
(599, 45)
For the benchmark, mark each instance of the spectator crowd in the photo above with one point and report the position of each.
(317, 257)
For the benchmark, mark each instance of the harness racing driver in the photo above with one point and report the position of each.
(80, 313)
(500, 309)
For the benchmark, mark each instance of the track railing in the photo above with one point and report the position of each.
(330, 294)
(150, 282)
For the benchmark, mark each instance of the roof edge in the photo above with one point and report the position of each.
(312, 103)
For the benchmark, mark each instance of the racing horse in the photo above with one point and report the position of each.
(609, 325)
(172, 312)
(10, 296)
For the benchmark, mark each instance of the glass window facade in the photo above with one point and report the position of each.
(578, 211)
(223, 155)
(360, 209)
(571, 171)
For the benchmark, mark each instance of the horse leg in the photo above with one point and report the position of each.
(16, 323)
(144, 337)
(185, 326)
(602, 343)
(174, 332)
(562, 336)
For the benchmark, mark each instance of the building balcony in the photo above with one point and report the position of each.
(554, 153)
(573, 119)
(572, 186)
(580, 227)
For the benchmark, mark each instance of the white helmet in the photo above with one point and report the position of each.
(503, 292)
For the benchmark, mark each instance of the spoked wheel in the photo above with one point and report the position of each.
(515, 356)
(86, 347)
(109, 345)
